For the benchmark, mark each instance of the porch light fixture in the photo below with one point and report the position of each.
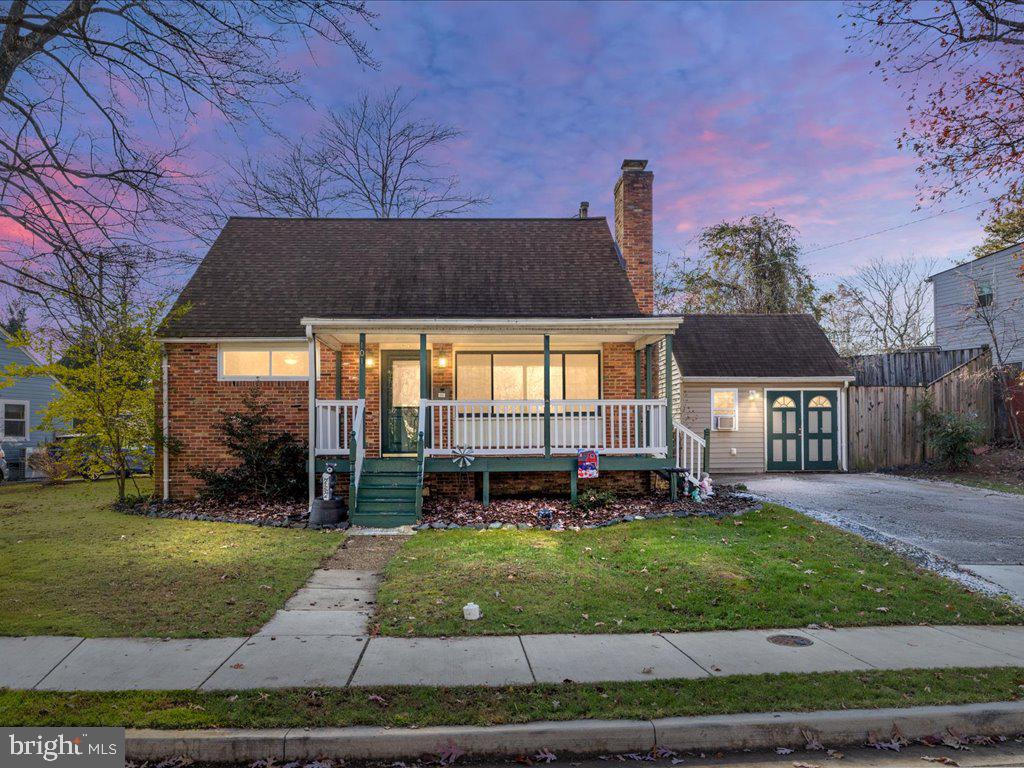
(753, 394)
(369, 362)
(442, 362)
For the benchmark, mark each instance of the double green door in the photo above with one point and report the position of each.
(803, 430)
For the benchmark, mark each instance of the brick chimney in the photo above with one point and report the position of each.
(634, 229)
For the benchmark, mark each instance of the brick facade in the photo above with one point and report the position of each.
(198, 401)
(634, 229)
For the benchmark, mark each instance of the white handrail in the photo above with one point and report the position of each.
(335, 420)
(516, 427)
(690, 449)
(358, 446)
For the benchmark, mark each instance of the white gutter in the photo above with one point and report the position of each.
(658, 324)
(215, 339)
(165, 459)
(772, 379)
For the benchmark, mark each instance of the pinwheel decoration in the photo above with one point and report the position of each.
(462, 456)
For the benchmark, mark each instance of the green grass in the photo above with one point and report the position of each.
(70, 565)
(516, 704)
(770, 568)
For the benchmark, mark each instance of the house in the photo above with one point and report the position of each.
(983, 298)
(22, 404)
(473, 357)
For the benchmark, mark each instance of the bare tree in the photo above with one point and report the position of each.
(374, 158)
(885, 306)
(960, 65)
(78, 77)
(1001, 322)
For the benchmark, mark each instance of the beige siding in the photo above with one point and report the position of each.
(748, 440)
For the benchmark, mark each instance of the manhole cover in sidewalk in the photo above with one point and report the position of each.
(793, 641)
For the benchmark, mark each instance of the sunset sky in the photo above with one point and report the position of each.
(740, 108)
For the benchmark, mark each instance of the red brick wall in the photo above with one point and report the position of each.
(197, 402)
(634, 230)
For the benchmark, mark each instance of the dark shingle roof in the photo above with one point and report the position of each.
(262, 276)
(787, 346)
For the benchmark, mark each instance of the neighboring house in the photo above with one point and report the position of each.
(473, 356)
(988, 287)
(21, 405)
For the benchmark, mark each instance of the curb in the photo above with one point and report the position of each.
(763, 730)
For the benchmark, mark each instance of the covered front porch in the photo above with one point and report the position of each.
(479, 396)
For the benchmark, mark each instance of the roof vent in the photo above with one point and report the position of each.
(584, 208)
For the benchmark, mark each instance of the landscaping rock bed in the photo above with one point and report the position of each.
(526, 513)
(285, 514)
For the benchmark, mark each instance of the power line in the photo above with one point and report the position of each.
(891, 229)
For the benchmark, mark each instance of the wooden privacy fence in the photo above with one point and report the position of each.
(884, 428)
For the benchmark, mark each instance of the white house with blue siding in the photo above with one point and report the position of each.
(21, 406)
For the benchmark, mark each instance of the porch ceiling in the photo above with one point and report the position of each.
(494, 330)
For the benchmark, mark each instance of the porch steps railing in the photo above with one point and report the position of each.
(357, 453)
(691, 449)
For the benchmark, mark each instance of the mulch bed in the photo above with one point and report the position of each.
(524, 513)
(282, 514)
(995, 464)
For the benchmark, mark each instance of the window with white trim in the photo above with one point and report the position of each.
(263, 362)
(725, 410)
(15, 424)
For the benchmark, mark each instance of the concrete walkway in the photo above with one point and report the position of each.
(976, 529)
(274, 660)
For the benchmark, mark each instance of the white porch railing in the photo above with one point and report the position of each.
(335, 421)
(516, 427)
(690, 449)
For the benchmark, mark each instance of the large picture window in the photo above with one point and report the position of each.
(520, 376)
(274, 362)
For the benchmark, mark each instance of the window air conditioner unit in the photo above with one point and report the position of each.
(725, 423)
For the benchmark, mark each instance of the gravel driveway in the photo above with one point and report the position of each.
(977, 529)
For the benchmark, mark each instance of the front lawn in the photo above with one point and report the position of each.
(412, 706)
(70, 565)
(769, 568)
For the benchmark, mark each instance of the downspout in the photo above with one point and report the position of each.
(166, 437)
(311, 408)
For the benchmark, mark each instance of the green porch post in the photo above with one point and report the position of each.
(424, 372)
(362, 366)
(670, 443)
(649, 370)
(547, 396)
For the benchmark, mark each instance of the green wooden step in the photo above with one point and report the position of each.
(395, 506)
(383, 520)
(387, 494)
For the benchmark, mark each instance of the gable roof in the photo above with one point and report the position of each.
(261, 276)
(972, 262)
(755, 346)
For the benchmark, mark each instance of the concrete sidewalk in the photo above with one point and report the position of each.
(268, 660)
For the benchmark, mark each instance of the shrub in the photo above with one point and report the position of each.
(271, 463)
(52, 462)
(950, 435)
(591, 499)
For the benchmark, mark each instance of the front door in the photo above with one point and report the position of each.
(400, 400)
(821, 447)
(783, 430)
